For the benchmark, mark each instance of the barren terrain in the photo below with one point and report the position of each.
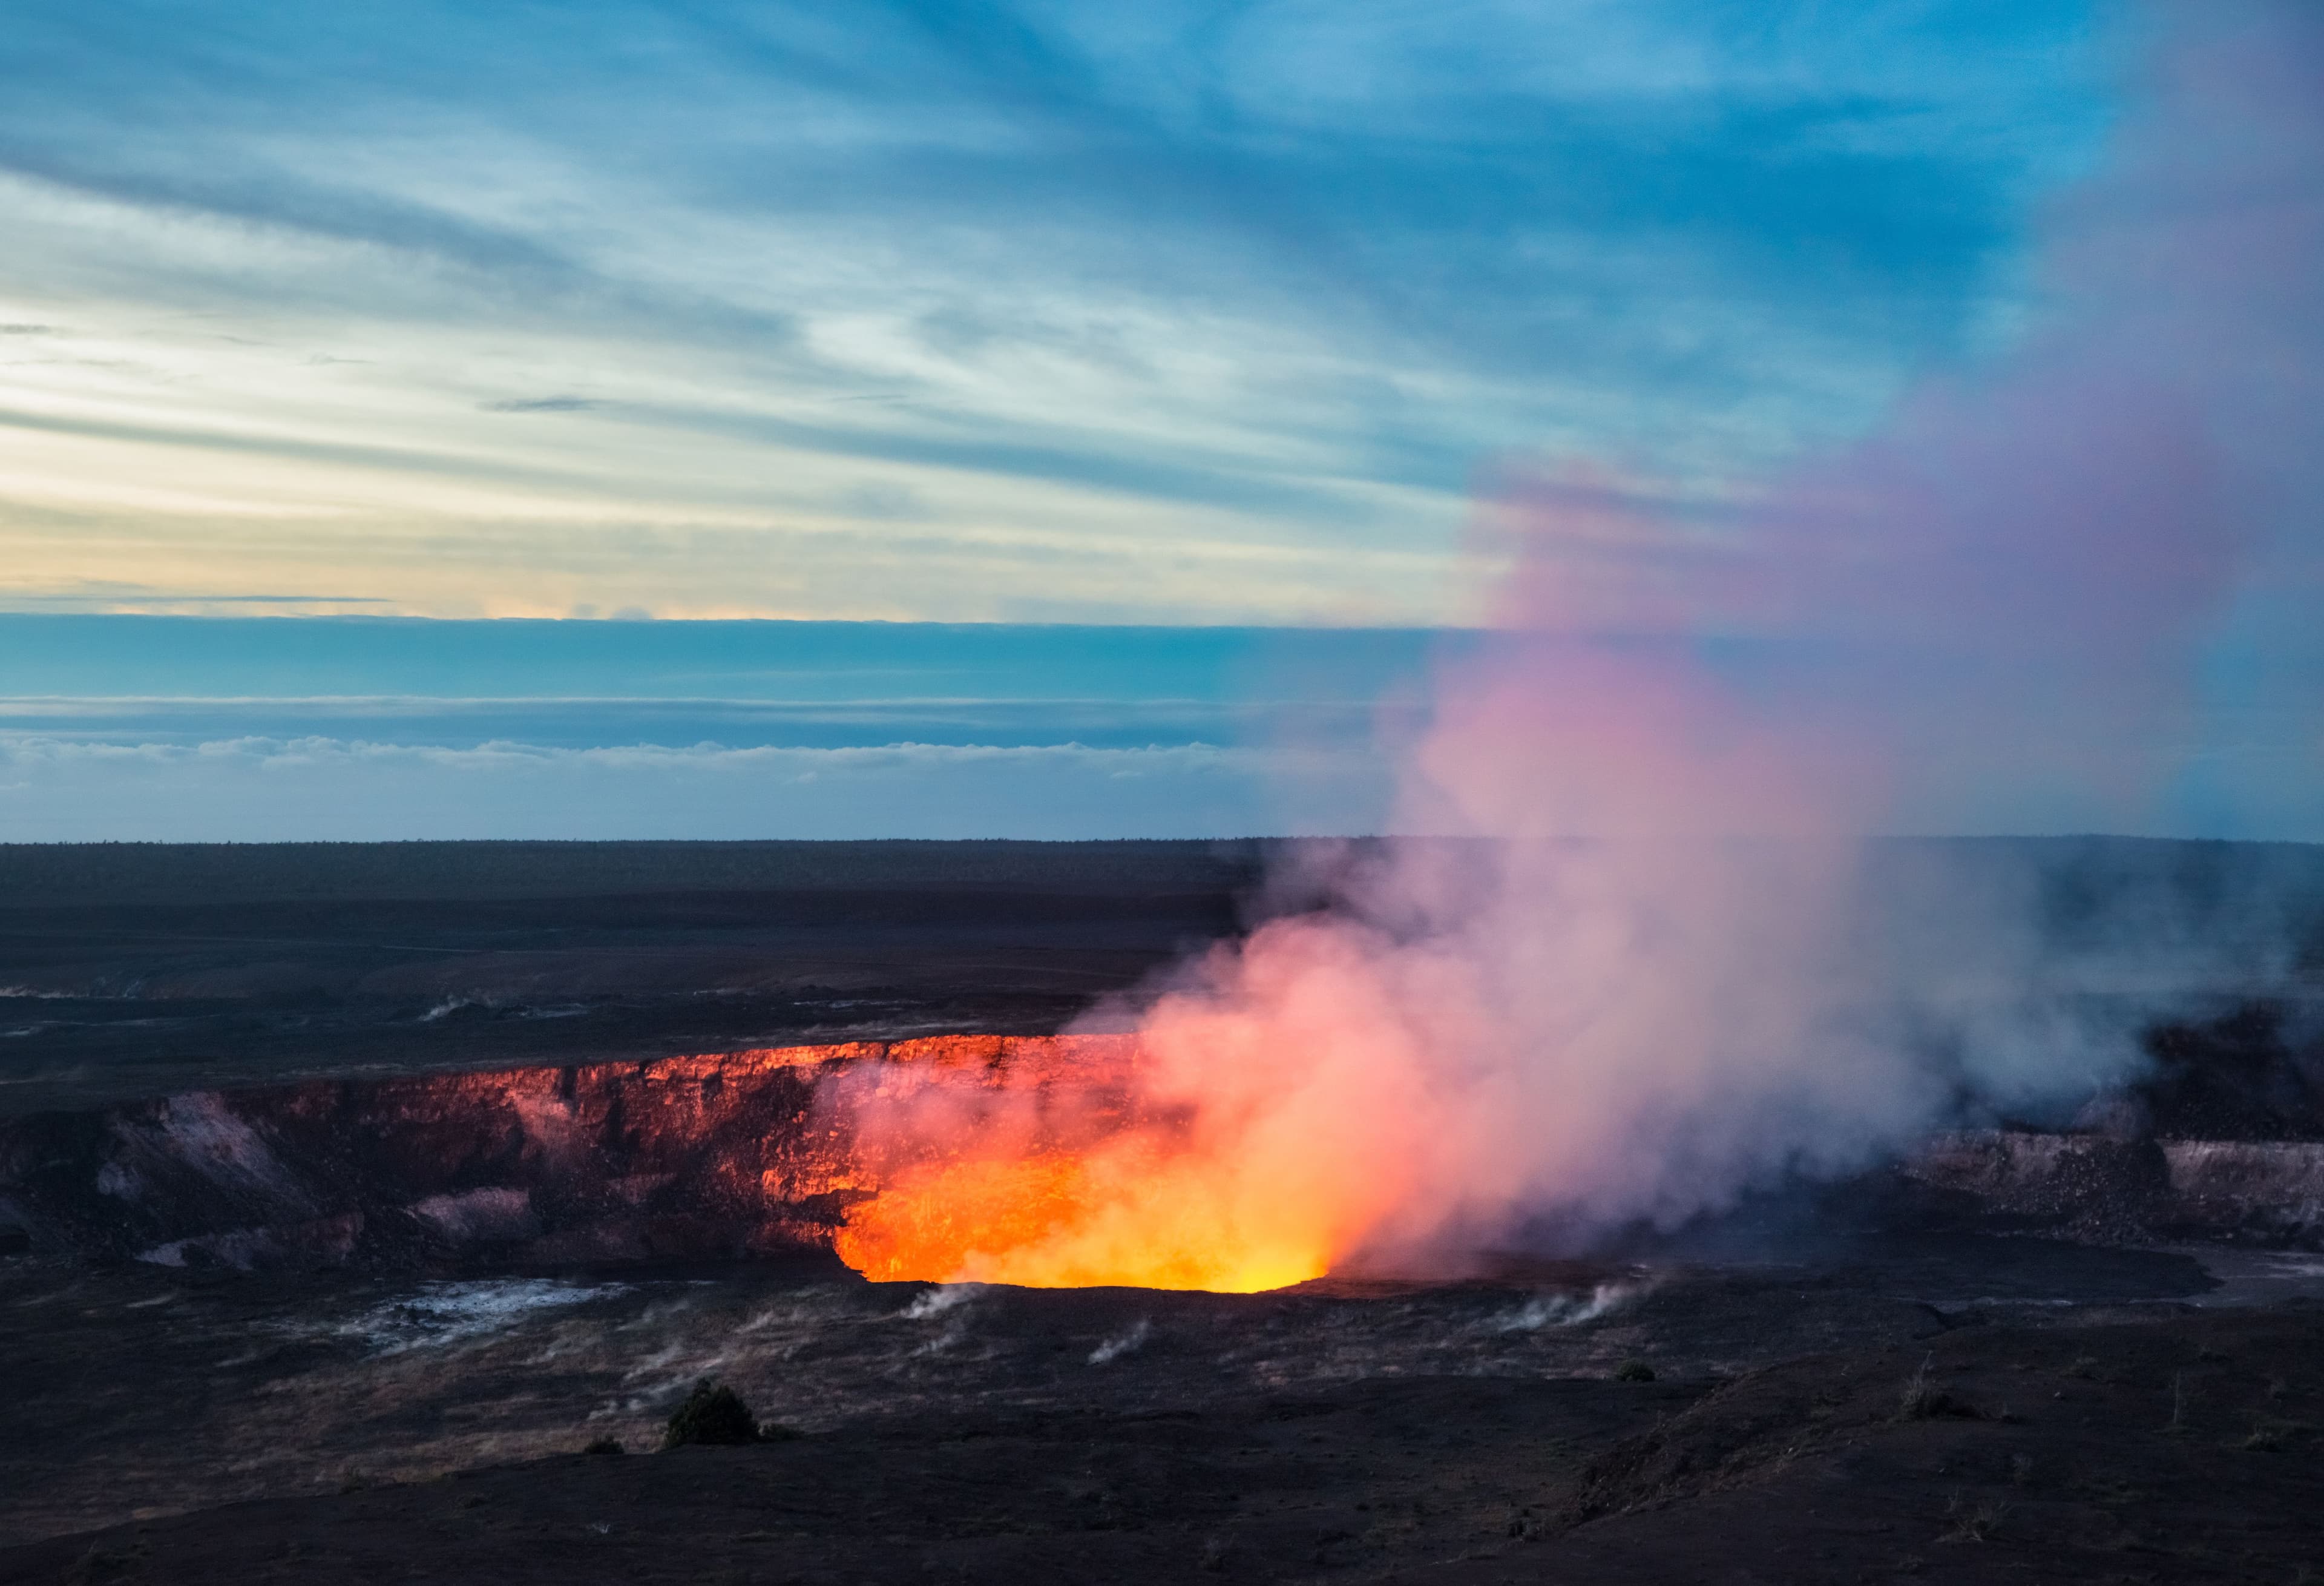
(348, 1195)
(137, 970)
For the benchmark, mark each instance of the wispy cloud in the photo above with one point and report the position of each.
(114, 597)
(551, 404)
(1177, 314)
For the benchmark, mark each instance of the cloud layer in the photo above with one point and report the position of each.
(1010, 310)
(261, 789)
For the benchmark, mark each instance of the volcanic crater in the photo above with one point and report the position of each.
(304, 1313)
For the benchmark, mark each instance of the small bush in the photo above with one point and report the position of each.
(1634, 1371)
(712, 1414)
(605, 1446)
(1979, 1525)
(1924, 1400)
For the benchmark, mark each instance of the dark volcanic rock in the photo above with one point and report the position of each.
(684, 1158)
(2097, 1188)
(134, 970)
(2255, 1072)
(2180, 1449)
(751, 1152)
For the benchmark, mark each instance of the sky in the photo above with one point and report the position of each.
(161, 728)
(1056, 312)
(684, 417)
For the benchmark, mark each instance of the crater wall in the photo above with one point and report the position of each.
(676, 1159)
(755, 1153)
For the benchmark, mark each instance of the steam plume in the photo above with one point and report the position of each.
(1640, 984)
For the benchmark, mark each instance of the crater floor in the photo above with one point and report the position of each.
(2103, 1418)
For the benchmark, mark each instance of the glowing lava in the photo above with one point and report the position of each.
(1132, 1211)
(1068, 1161)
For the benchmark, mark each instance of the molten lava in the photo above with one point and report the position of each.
(1138, 1211)
(934, 1222)
(1052, 1163)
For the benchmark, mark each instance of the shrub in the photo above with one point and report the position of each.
(1977, 1525)
(1924, 1400)
(605, 1445)
(1634, 1371)
(712, 1414)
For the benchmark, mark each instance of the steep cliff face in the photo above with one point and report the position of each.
(2267, 1192)
(730, 1154)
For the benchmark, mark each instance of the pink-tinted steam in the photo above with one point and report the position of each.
(1629, 987)
(1639, 1004)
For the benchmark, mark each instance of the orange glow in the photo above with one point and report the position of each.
(1132, 1211)
(938, 1219)
(1212, 1151)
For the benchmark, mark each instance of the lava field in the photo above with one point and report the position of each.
(294, 1308)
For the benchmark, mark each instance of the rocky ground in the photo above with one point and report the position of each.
(1982, 1367)
(1800, 1425)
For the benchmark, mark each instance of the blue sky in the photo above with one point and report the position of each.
(1209, 313)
